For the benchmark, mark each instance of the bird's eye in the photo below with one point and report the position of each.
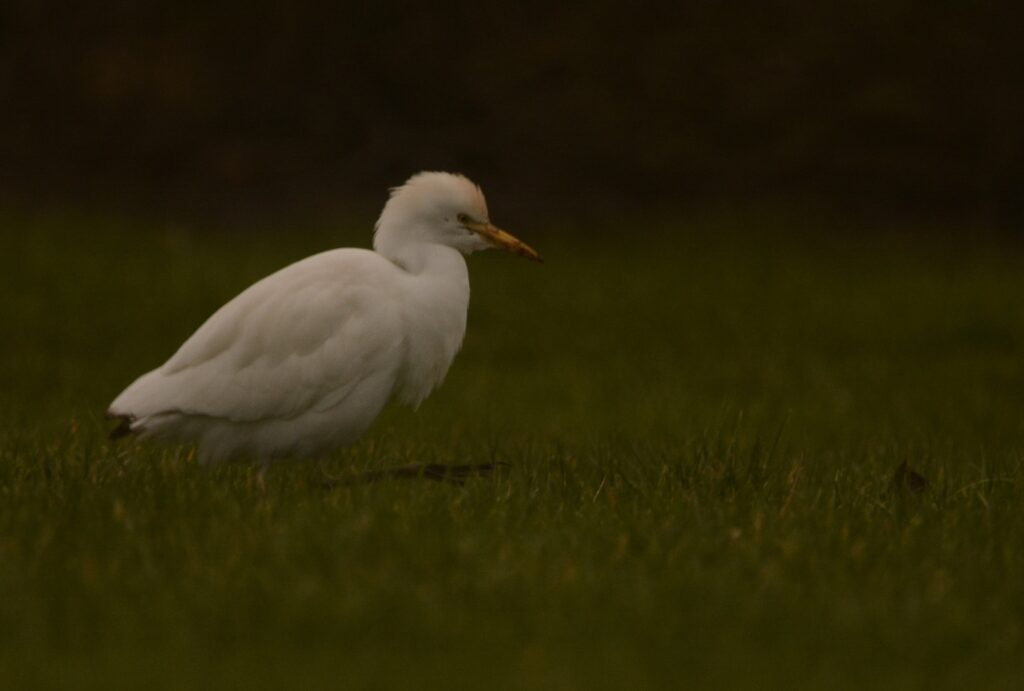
(462, 218)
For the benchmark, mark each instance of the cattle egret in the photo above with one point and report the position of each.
(302, 361)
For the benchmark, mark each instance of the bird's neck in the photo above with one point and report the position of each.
(438, 281)
(434, 303)
(426, 259)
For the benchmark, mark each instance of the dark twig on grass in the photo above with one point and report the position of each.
(908, 479)
(456, 474)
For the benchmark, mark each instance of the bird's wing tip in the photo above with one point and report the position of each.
(123, 427)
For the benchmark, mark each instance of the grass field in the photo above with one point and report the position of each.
(702, 421)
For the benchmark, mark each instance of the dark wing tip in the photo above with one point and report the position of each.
(123, 428)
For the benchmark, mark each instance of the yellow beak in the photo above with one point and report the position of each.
(506, 241)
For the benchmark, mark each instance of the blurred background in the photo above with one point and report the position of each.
(182, 108)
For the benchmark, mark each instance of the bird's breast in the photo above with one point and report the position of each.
(434, 320)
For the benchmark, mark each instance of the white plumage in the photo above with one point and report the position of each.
(304, 360)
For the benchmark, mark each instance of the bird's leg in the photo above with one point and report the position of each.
(456, 474)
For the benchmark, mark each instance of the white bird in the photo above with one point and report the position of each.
(302, 361)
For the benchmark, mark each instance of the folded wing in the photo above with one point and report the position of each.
(298, 341)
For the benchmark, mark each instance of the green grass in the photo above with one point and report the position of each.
(702, 421)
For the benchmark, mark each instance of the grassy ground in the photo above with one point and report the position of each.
(702, 419)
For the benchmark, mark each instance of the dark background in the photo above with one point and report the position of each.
(887, 107)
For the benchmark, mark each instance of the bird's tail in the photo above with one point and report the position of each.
(123, 427)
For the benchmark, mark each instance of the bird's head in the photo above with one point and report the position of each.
(445, 209)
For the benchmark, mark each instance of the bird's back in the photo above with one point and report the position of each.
(301, 360)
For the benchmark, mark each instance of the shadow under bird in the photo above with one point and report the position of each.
(302, 362)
